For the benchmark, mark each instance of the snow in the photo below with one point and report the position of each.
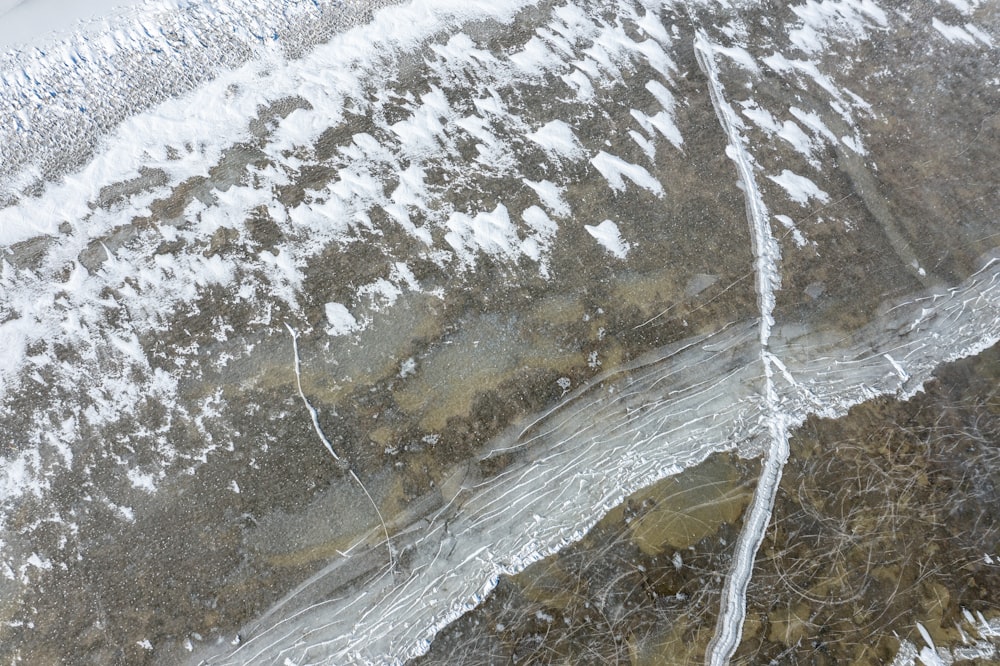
(380, 294)
(799, 188)
(854, 144)
(645, 144)
(961, 5)
(538, 245)
(608, 235)
(953, 33)
(818, 20)
(551, 195)
(789, 130)
(739, 55)
(23, 22)
(789, 224)
(813, 121)
(663, 123)
(138, 479)
(39, 562)
(185, 137)
(614, 169)
(557, 138)
(979, 34)
(340, 319)
(490, 232)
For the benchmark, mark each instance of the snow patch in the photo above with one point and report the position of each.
(953, 33)
(614, 169)
(799, 188)
(557, 138)
(789, 224)
(551, 195)
(340, 319)
(608, 235)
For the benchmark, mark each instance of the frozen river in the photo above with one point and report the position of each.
(466, 332)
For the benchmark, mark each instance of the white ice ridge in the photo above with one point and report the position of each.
(653, 418)
(729, 628)
(575, 463)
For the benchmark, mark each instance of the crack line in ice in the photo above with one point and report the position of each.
(729, 628)
(329, 447)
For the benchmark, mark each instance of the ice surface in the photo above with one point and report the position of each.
(306, 287)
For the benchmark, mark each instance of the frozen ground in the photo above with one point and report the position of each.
(317, 320)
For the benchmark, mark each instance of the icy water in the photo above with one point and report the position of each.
(569, 332)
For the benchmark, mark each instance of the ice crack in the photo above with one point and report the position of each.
(329, 447)
(729, 627)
